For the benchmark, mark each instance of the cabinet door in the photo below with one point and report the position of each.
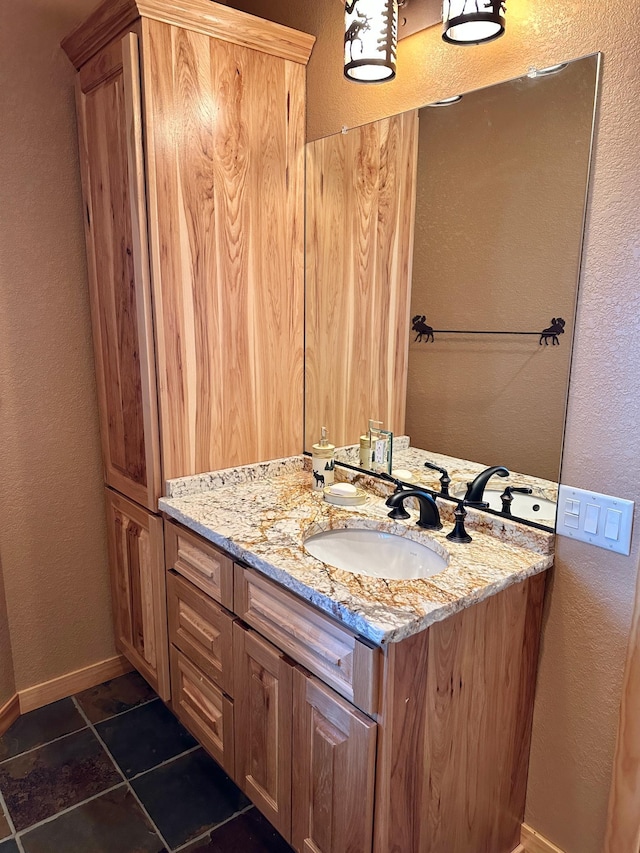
(139, 589)
(225, 151)
(262, 683)
(110, 135)
(334, 749)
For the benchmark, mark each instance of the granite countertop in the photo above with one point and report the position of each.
(262, 513)
(461, 471)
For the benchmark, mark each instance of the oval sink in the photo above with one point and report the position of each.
(527, 507)
(377, 553)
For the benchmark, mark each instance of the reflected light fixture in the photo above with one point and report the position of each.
(473, 21)
(370, 40)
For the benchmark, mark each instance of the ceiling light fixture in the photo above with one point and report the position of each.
(370, 40)
(473, 21)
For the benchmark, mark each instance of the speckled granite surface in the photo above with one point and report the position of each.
(262, 514)
(461, 471)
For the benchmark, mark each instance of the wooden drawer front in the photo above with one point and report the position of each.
(326, 648)
(203, 708)
(202, 630)
(199, 562)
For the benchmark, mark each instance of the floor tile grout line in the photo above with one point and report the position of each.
(75, 806)
(42, 745)
(12, 825)
(126, 710)
(209, 832)
(126, 781)
(164, 763)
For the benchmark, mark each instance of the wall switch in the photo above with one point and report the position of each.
(601, 520)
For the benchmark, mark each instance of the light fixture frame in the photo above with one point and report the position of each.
(493, 12)
(379, 55)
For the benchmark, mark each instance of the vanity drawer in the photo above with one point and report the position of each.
(203, 709)
(199, 562)
(202, 630)
(327, 649)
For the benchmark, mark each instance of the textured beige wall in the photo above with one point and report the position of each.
(52, 534)
(589, 609)
(7, 681)
(502, 176)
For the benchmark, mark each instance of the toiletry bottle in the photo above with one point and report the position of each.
(367, 445)
(323, 462)
(365, 451)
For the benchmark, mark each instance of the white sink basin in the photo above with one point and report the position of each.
(377, 553)
(528, 507)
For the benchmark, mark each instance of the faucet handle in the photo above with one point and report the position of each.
(459, 534)
(507, 496)
(445, 479)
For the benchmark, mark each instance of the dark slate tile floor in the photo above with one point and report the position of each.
(112, 771)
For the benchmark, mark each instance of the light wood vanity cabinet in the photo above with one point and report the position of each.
(302, 753)
(438, 764)
(191, 121)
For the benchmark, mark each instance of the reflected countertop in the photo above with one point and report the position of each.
(261, 515)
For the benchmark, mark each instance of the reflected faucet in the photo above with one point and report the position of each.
(429, 514)
(474, 495)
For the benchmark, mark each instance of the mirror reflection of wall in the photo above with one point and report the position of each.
(501, 186)
(500, 199)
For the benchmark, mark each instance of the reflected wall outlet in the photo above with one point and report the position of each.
(600, 520)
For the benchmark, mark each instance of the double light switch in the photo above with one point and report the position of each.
(601, 520)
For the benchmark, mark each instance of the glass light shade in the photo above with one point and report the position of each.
(370, 40)
(473, 21)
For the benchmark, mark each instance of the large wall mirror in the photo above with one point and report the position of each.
(443, 254)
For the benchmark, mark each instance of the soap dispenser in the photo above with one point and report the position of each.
(323, 462)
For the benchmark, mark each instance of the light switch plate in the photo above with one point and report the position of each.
(600, 520)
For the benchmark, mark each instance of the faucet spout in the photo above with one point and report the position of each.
(475, 490)
(429, 513)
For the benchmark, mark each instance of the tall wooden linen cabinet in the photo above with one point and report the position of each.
(191, 121)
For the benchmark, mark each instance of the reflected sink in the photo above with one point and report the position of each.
(376, 553)
(528, 507)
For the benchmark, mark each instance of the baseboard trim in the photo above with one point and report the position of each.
(72, 682)
(533, 842)
(9, 713)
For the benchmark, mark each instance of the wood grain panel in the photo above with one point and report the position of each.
(623, 818)
(455, 729)
(263, 686)
(334, 749)
(136, 556)
(326, 647)
(359, 245)
(203, 16)
(72, 682)
(203, 708)
(202, 630)
(225, 149)
(110, 138)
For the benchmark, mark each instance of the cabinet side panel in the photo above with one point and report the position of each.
(108, 232)
(225, 147)
(455, 729)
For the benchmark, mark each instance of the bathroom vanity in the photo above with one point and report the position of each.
(358, 713)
